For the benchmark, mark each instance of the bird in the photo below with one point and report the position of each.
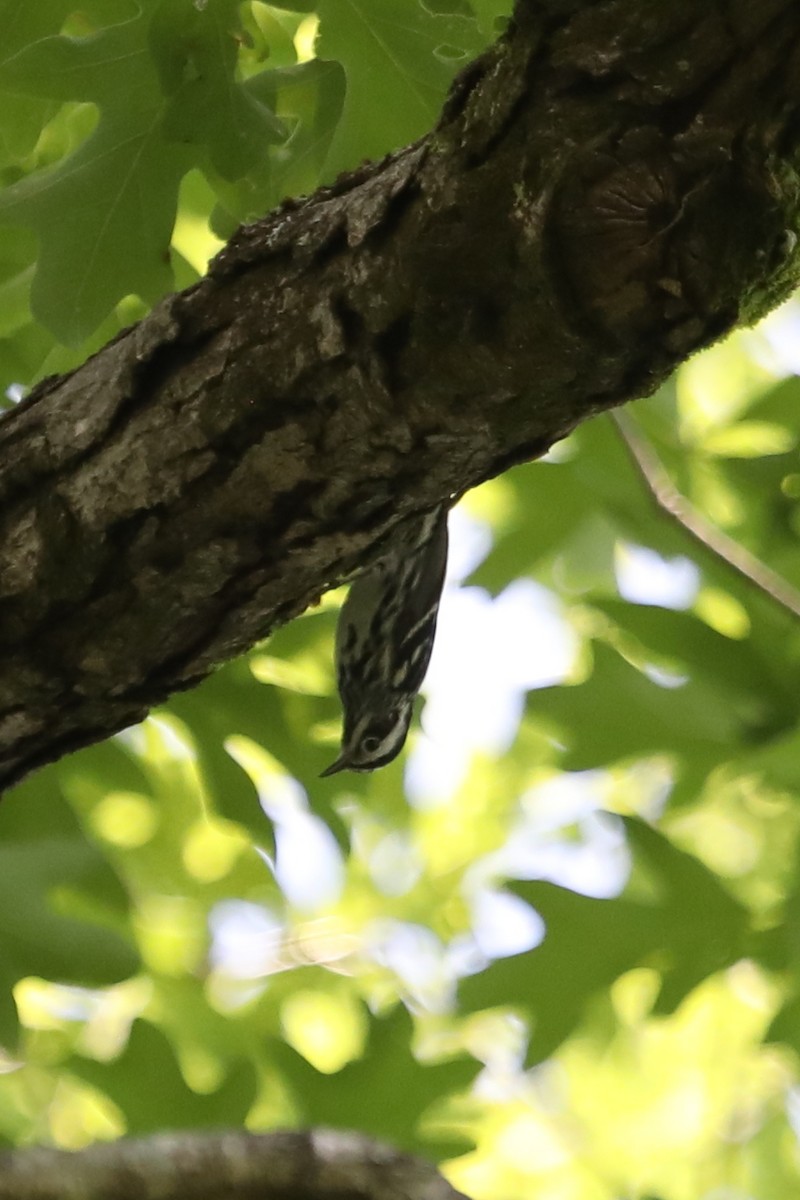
(384, 639)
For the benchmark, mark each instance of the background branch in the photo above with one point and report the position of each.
(675, 505)
(318, 1165)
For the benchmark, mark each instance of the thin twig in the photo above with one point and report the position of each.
(675, 505)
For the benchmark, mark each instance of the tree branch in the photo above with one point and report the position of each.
(676, 506)
(318, 1165)
(608, 189)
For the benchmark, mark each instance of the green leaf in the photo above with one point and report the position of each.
(400, 58)
(750, 439)
(294, 5)
(399, 1087)
(620, 713)
(62, 908)
(230, 703)
(493, 15)
(119, 187)
(147, 1085)
(548, 509)
(22, 116)
(731, 667)
(195, 51)
(688, 926)
(165, 91)
(308, 99)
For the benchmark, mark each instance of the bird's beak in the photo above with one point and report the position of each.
(341, 764)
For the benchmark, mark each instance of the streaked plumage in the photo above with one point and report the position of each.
(384, 640)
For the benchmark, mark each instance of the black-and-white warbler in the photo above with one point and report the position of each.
(384, 640)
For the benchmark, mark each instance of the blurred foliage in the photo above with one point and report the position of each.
(558, 940)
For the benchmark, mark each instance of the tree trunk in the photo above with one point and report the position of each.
(610, 187)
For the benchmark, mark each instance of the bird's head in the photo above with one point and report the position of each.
(373, 738)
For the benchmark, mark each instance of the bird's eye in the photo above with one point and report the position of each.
(371, 744)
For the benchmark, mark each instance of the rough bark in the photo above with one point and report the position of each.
(320, 1165)
(610, 187)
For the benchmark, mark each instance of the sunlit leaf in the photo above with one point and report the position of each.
(394, 1112)
(688, 926)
